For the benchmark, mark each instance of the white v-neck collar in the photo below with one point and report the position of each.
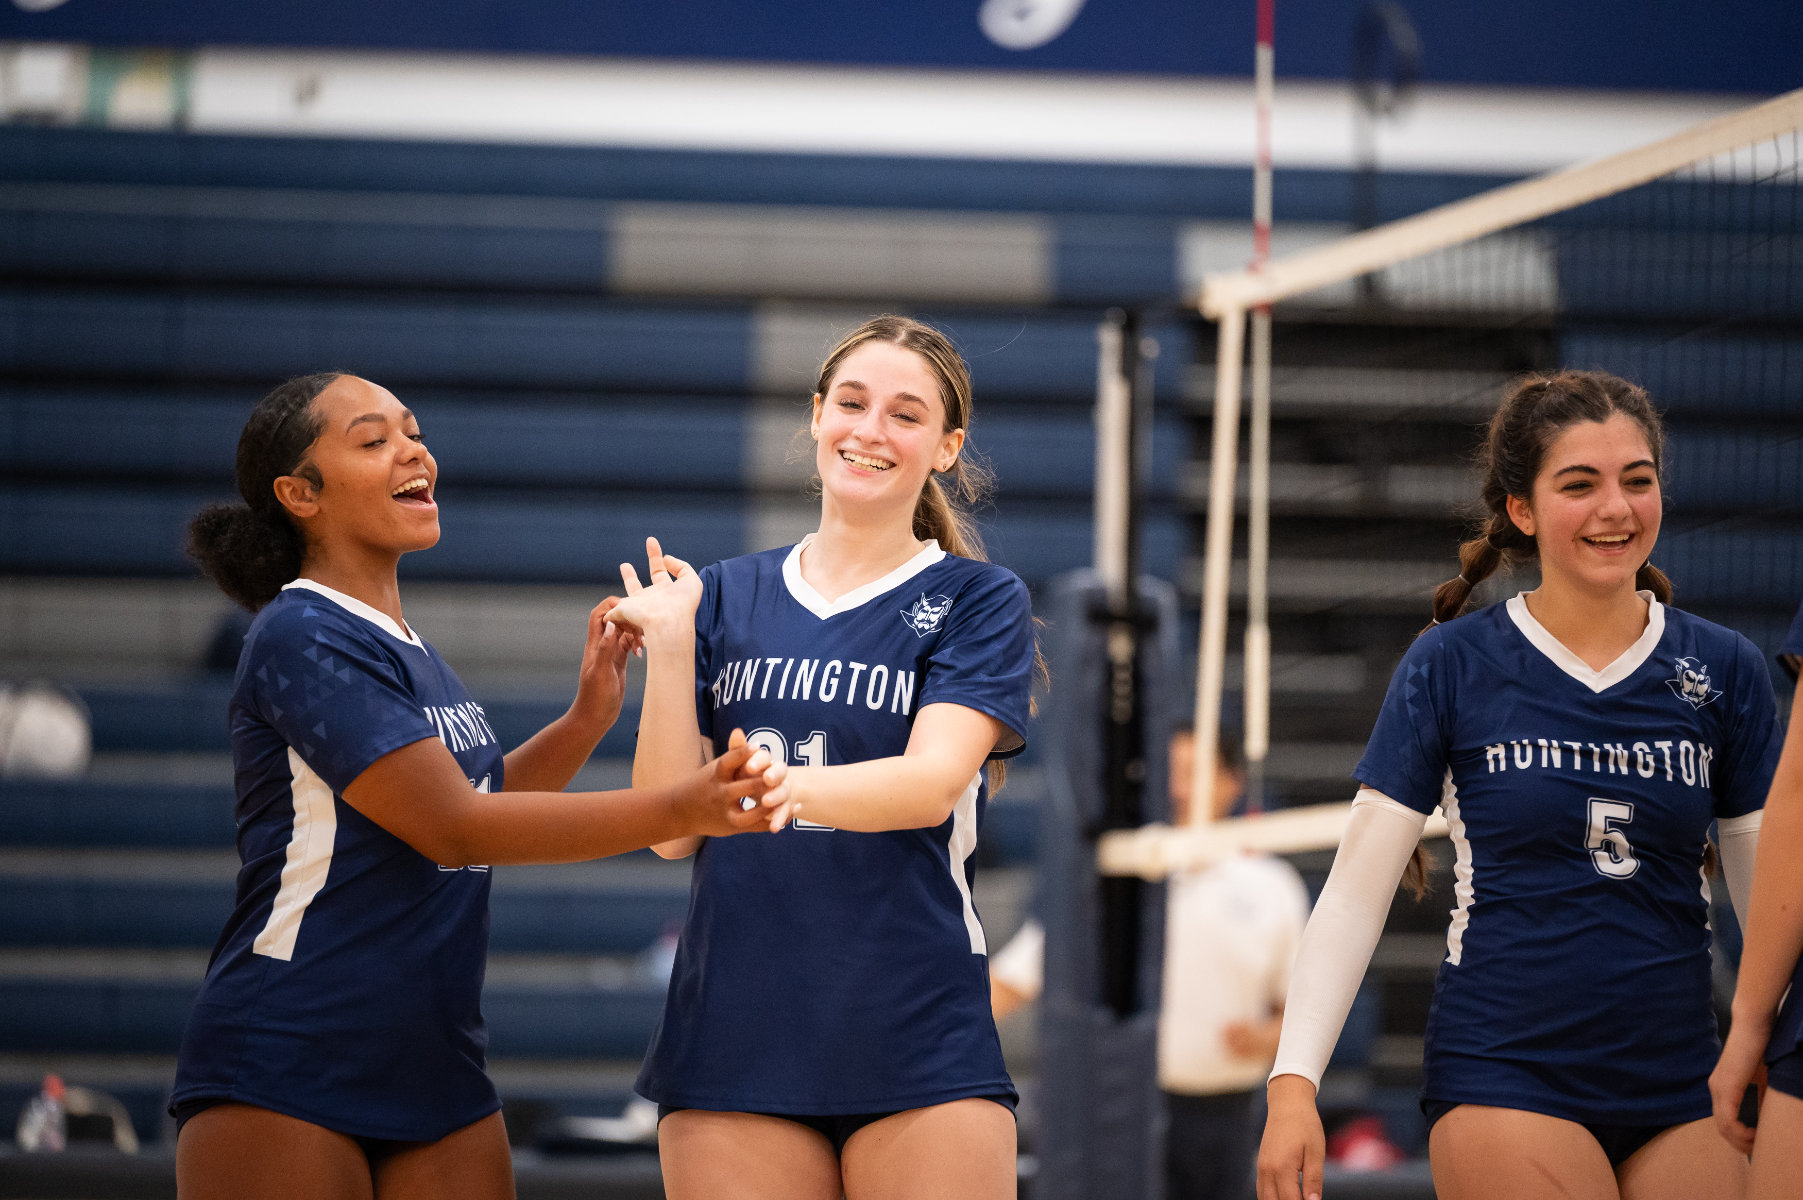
(814, 602)
(356, 607)
(1625, 665)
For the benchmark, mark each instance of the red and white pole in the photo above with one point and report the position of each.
(1224, 463)
(1257, 689)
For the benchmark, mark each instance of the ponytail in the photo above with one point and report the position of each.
(1651, 579)
(248, 554)
(251, 549)
(943, 511)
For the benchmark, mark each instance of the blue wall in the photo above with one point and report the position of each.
(1709, 45)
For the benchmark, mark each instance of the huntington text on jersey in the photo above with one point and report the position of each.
(829, 681)
(1675, 758)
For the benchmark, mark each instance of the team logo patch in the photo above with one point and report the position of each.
(1691, 683)
(927, 613)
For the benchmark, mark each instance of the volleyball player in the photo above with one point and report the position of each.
(1579, 738)
(827, 1031)
(1768, 1004)
(336, 1048)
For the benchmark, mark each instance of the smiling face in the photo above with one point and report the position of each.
(371, 483)
(881, 429)
(1595, 509)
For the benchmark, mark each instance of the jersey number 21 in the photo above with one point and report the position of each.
(809, 752)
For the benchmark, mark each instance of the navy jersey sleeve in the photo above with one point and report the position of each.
(984, 656)
(1754, 738)
(1790, 650)
(331, 694)
(707, 628)
(1406, 756)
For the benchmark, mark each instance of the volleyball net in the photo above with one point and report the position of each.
(1678, 265)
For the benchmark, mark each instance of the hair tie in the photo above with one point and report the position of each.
(1433, 621)
(1465, 581)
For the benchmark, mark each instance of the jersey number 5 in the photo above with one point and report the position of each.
(810, 752)
(1609, 850)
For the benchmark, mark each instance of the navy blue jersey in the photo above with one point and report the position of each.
(1576, 979)
(346, 987)
(1787, 1031)
(861, 951)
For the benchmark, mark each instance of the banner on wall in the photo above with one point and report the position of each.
(1678, 44)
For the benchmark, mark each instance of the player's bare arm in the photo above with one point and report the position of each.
(419, 794)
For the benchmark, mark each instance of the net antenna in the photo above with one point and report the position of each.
(1414, 253)
(1209, 680)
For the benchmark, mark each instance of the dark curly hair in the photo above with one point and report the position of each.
(251, 549)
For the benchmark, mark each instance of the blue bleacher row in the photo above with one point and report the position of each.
(1662, 275)
(409, 338)
(86, 156)
(143, 234)
(1755, 467)
(1687, 370)
(522, 439)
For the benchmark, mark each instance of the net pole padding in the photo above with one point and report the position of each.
(1113, 428)
(1153, 852)
(1211, 657)
(1501, 208)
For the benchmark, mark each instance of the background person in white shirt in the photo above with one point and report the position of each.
(1231, 933)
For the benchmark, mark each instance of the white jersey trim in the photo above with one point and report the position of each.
(820, 606)
(961, 846)
(309, 860)
(1462, 888)
(1597, 681)
(357, 608)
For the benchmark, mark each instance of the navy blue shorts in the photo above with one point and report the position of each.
(1619, 1142)
(1786, 1073)
(374, 1149)
(837, 1128)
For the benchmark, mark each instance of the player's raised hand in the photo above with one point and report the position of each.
(1739, 1068)
(601, 683)
(1295, 1146)
(715, 798)
(664, 605)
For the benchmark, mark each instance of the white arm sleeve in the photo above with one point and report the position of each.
(1739, 838)
(1021, 963)
(1343, 930)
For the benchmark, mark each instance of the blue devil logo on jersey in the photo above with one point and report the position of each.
(927, 613)
(1691, 684)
